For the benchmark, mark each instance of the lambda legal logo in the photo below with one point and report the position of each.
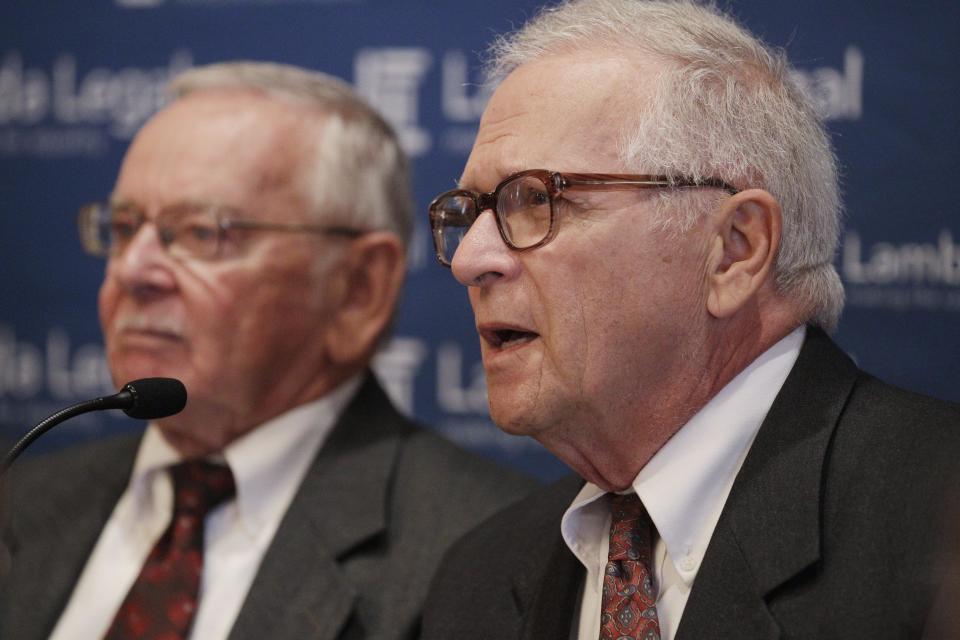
(390, 79)
(930, 263)
(902, 276)
(836, 93)
(69, 109)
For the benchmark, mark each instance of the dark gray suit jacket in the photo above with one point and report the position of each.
(833, 528)
(352, 558)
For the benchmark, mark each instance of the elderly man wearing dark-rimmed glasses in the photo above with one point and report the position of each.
(646, 228)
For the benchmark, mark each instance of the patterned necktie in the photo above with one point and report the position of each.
(628, 609)
(162, 601)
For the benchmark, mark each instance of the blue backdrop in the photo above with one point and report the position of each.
(78, 79)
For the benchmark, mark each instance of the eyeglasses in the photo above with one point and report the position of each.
(525, 207)
(185, 231)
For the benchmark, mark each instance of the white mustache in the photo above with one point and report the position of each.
(153, 324)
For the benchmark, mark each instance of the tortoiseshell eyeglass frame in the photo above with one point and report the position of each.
(555, 184)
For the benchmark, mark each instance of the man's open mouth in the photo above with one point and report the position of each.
(504, 338)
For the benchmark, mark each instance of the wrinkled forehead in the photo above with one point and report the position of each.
(563, 111)
(227, 147)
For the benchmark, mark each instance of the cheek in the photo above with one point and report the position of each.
(576, 298)
(254, 324)
(473, 294)
(214, 311)
(602, 313)
(264, 312)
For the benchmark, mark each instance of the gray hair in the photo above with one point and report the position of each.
(725, 106)
(359, 169)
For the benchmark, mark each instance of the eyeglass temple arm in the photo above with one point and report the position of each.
(618, 182)
(339, 230)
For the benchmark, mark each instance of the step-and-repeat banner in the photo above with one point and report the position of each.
(77, 79)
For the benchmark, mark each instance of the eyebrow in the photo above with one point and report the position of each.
(232, 211)
(500, 170)
(118, 201)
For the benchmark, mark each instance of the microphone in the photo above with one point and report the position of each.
(144, 399)
(150, 398)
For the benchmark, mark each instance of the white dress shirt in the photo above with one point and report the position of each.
(684, 488)
(268, 465)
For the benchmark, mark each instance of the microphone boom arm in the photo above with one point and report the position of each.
(145, 399)
(107, 402)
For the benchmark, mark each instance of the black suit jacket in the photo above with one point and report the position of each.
(353, 555)
(833, 528)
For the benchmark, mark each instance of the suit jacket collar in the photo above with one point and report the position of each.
(300, 590)
(56, 537)
(546, 583)
(769, 530)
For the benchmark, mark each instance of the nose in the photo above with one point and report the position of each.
(482, 257)
(143, 267)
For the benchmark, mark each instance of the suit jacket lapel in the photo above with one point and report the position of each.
(301, 591)
(769, 530)
(551, 611)
(548, 576)
(55, 534)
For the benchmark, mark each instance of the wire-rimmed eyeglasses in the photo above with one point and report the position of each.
(524, 205)
(185, 231)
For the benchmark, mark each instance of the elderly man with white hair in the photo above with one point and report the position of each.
(255, 243)
(646, 227)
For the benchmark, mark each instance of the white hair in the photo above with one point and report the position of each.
(724, 106)
(359, 169)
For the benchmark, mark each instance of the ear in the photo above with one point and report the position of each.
(744, 250)
(365, 289)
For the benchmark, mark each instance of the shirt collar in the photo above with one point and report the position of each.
(686, 483)
(268, 463)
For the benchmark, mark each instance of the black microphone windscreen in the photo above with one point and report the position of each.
(154, 398)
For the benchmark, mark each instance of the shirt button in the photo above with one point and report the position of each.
(687, 564)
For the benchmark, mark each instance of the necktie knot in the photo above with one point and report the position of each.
(630, 537)
(200, 486)
(163, 600)
(628, 607)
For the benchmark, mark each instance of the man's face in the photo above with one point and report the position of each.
(241, 331)
(608, 313)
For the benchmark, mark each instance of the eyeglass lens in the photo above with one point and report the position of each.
(523, 214)
(185, 232)
(523, 205)
(452, 216)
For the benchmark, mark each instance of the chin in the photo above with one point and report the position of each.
(133, 360)
(127, 371)
(182, 438)
(515, 420)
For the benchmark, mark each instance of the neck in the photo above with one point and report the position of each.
(209, 425)
(618, 446)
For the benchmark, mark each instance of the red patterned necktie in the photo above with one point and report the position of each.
(162, 601)
(628, 610)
